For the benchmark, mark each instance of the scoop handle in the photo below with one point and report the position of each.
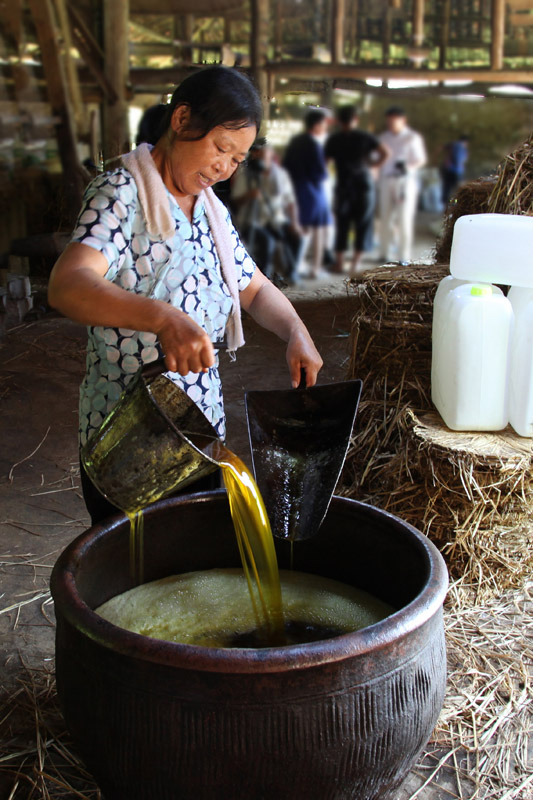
(303, 380)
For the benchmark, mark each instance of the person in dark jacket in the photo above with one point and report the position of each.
(354, 152)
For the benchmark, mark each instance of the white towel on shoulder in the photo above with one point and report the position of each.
(155, 205)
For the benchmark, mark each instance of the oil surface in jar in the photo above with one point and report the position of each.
(210, 608)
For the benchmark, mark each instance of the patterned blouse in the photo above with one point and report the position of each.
(184, 271)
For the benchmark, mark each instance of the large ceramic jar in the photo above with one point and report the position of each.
(329, 720)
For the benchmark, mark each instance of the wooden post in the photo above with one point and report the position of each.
(227, 30)
(446, 10)
(43, 19)
(498, 34)
(387, 33)
(116, 138)
(188, 33)
(418, 23)
(70, 66)
(338, 21)
(259, 48)
(278, 29)
(353, 33)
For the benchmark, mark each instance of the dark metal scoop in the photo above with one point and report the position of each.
(299, 440)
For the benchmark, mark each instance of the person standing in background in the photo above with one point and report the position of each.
(354, 152)
(267, 213)
(453, 166)
(398, 184)
(306, 164)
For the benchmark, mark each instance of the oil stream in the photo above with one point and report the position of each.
(254, 540)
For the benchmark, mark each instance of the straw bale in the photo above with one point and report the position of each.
(471, 198)
(471, 493)
(510, 191)
(391, 331)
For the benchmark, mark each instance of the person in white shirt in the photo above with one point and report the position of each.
(398, 185)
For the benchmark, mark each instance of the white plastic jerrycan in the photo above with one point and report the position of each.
(472, 327)
(521, 362)
(493, 248)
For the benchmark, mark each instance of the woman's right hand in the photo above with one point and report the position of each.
(186, 346)
(78, 288)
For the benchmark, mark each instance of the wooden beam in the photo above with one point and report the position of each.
(519, 5)
(56, 85)
(260, 15)
(498, 34)
(521, 20)
(338, 23)
(212, 8)
(116, 138)
(319, 71)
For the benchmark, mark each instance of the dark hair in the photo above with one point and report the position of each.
(313, 117)
(259, 143)
(217, 96)
(395, 111)
(151, 124)
(346, 114)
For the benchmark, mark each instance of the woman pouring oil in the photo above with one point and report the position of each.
(155, 266)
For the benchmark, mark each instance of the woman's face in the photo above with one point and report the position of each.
(196, 165)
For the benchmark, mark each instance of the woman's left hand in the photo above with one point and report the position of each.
(271, 309)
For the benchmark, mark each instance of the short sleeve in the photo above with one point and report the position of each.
(418, 149)
(329, 148)
(105, 219)
(244, 263)
(373, 142)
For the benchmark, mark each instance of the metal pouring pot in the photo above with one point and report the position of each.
(152, 443)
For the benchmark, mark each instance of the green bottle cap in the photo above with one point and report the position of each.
(481, 291)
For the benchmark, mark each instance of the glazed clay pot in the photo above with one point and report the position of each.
(334, 719)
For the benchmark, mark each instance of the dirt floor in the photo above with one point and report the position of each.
(41, 365)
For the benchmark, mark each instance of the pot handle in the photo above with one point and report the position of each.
(155, 368)
(303, 380)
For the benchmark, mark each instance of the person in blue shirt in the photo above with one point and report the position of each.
(306, 164)
(453, 166)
